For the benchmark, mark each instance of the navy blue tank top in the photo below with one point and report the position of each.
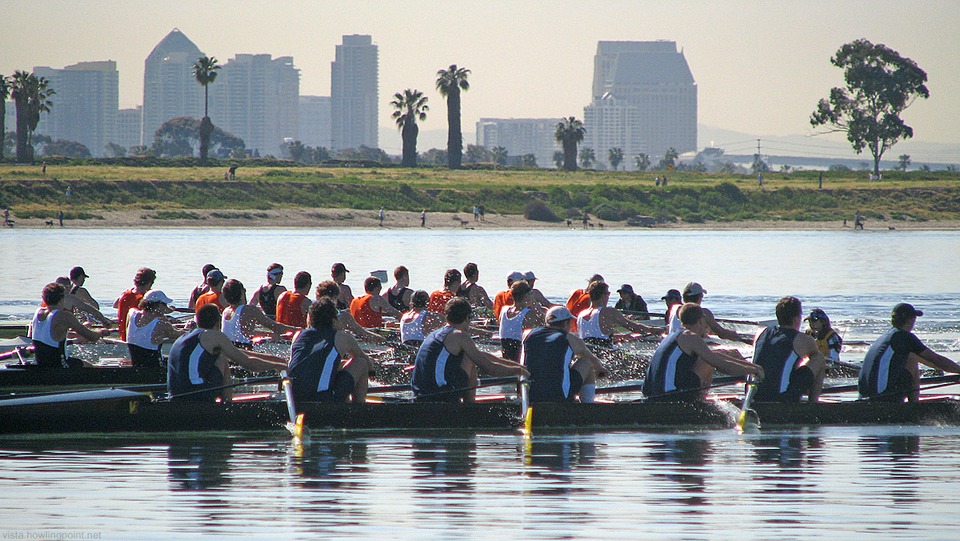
(774, 352)
(436, 370)
(191, 368)
(670, 376)
(547, 354)
(314, 361)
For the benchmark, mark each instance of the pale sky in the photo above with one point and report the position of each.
(761, 66)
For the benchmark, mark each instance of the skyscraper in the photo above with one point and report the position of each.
(315, 121)
(644, 100)
(521, 136)
(354, 85)
(85, 104)
(129, 127)
(169, 88)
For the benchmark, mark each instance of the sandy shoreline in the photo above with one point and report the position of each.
(352, 218)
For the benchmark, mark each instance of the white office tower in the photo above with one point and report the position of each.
(169, 87)
(85, 104)
(354, 84)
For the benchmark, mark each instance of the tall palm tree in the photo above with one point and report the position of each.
(410, 106)
(32, 97)
(4, 94)
(570, 132)
(587, 157)
(450, 82)
(205, 72)
(615, 155)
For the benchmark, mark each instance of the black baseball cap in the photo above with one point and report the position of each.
(672, 294)
(77, 272)
(338, 268)
(902, 312)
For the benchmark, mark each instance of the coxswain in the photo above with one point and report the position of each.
(369, 309)
(293, 305)
(339, 274)
(694, 292)
(631, 302)
(439, 298)
(202, 287)
(418, 322)
(536, 295)
(241, 320)
(142, 282)
(682, 367)
(266, 295)
(50, 326)
(790, 359)
(516, 318)
(471, 290)
(148, 329)
(597, 323)
(503, 298)
(549, 353)
(199, 360)
(828, 339)
(398, 295)
(330, 290)
(327, 365)
(215, 281)
(445, 369)
(891, 368)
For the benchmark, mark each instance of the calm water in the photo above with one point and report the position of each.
(852, 482)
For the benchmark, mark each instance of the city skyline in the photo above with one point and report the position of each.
(759, 68)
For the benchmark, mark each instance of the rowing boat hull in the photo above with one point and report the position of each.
(16, 378)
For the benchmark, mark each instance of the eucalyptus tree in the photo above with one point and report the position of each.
(450, 82)
(409, 107)
(205, 72)
(31, 94)
(570, 132)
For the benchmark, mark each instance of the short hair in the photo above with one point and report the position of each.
(371, 284)
(457, 310)
(208, 316)
(690, 314)
(787, 309)
(470, 270)
(689, 297)
(144, 276)
(328, 288)
(597, 290)
(420, 299)
(207, 268)
(64, 281)
(322, 312)
(232, 291)
(302, 280)
(519, 290)
(400, 271)
(451, 276)
(53, 294)
(595, 278)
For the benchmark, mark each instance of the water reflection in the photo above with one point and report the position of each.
(199, 464)
(444, 464)
(684, 460)
(893, 459)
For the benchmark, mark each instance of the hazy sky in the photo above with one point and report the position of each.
(760, 67)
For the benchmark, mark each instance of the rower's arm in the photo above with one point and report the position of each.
(348, 345)
(249, 360)
(581, 350)
(490, 364)
(722, 362)
(620, 320)
(88, 334)
(723, 332)
(481, 297)
(350, 324)
(261, 319)
(935, 360)
(385, 307)
(165, 332)
(74, 302)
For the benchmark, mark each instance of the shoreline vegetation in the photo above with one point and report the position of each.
(285, 194)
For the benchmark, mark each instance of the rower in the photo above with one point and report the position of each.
(368, 310)
(516, 318)
(199, 360)
(202, 287)
(215, 281)
(828, 339)
(330, 290)
(418, 322)
(791, 360)
(398, 295)
(548, 354)
(631, 302)
(439, 298)
(77, 278)
(142, 282)
(293, 305)
(266, 295)
(72, 303)
(445, 369)
(598, 322)
(673, 301)
(503, 298)
(148, 329)
(339, 274)
(694, 292)
(891, 369)
(50, 326)
(579, 299)
(327, 365)
(538, 297)
(682, 367)
(240, 320)
(471, 290)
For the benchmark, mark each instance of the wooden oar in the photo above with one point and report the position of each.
(247, 381)
(295, 424)
(747, 400)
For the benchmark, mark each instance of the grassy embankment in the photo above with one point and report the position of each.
(176, 192)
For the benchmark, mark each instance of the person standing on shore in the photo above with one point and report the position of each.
(423, 218)
(60, 217)
(381, 215)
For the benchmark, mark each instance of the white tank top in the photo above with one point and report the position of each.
(231, 327)
(140, 336)
(590, 328)
(674, 317)
(41, 329)
(412, 329)
(512, 327)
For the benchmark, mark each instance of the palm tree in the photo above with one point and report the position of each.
(499, 155)
(642, 161)
(616, 157)
(4, 94)
(450, 82)
(570, 132)
(31, 95)
(558, 159)
(410, 105)
(587, 157)
(205, 71)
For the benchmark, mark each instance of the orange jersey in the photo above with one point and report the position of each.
(367, 317)
(290, 309)
(578, 302)
(438, 300)
(500, 300)
(129, 299)
(210, 297)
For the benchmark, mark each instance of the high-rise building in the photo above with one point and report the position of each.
(256, 98)
(354, 85)
(521, 136)
(129, 127)
(315, 121)
(644, 100)
(85, 104)
(169, 87)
